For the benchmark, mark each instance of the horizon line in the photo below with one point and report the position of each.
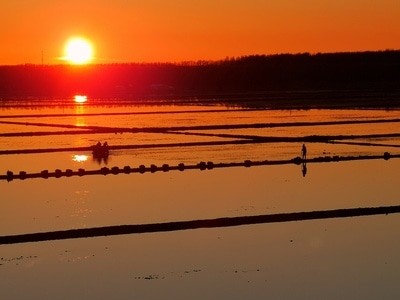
(189, 62)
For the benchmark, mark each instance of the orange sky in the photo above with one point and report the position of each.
(182, 30)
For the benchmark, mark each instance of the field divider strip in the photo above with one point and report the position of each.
(240, 140)
(102, 129)
(196, 224)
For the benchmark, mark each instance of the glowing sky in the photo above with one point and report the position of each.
(182, 30)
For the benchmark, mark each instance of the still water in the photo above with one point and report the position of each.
(339, 258)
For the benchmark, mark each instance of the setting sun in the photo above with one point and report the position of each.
(78, 51)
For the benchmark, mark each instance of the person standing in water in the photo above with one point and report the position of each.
(303, 152)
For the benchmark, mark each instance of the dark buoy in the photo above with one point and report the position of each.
(115, 170)
(165, 167)
(386, 155)
(181, 167)
(127, 169)
(105, 170)
(58, 173)
(142, 169)
(202, 165)
(153, 168)
(81, 172)
(22, 175)
(247, 163)
(10, 176)
(68, 172)
(297, 160)
(210, 165)
(45, 174)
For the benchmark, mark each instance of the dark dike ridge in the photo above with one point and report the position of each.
(196, 224)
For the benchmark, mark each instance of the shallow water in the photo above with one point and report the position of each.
(332, 258)
(73, 118)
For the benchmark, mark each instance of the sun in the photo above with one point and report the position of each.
(78, 51)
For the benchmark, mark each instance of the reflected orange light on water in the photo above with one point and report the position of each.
(80, 109)
(80, 158)
(80, 121)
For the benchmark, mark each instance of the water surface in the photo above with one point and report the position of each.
(330, 259)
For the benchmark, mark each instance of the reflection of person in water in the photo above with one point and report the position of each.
(304, 152)
(304, 168)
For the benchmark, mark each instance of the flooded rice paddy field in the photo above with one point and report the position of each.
(354, 257)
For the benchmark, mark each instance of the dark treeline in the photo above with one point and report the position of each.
(363, 72)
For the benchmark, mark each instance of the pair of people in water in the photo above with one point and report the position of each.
(98, 145)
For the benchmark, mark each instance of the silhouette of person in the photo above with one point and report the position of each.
(304, 152)
(304, 168)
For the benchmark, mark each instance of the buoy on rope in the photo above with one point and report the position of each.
(45, 174)
(58, 173)
(127, 169)
(81, 172)
(10, 176)
(386, 155)
(142, 169)
(22, 175)
(115, 170)
(202, 165)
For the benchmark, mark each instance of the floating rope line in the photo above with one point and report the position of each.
(58, 173)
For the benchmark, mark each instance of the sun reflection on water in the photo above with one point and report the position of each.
(80, 158)
(80, 98)
(80, 109)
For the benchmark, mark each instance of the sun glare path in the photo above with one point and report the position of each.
(78, 51)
